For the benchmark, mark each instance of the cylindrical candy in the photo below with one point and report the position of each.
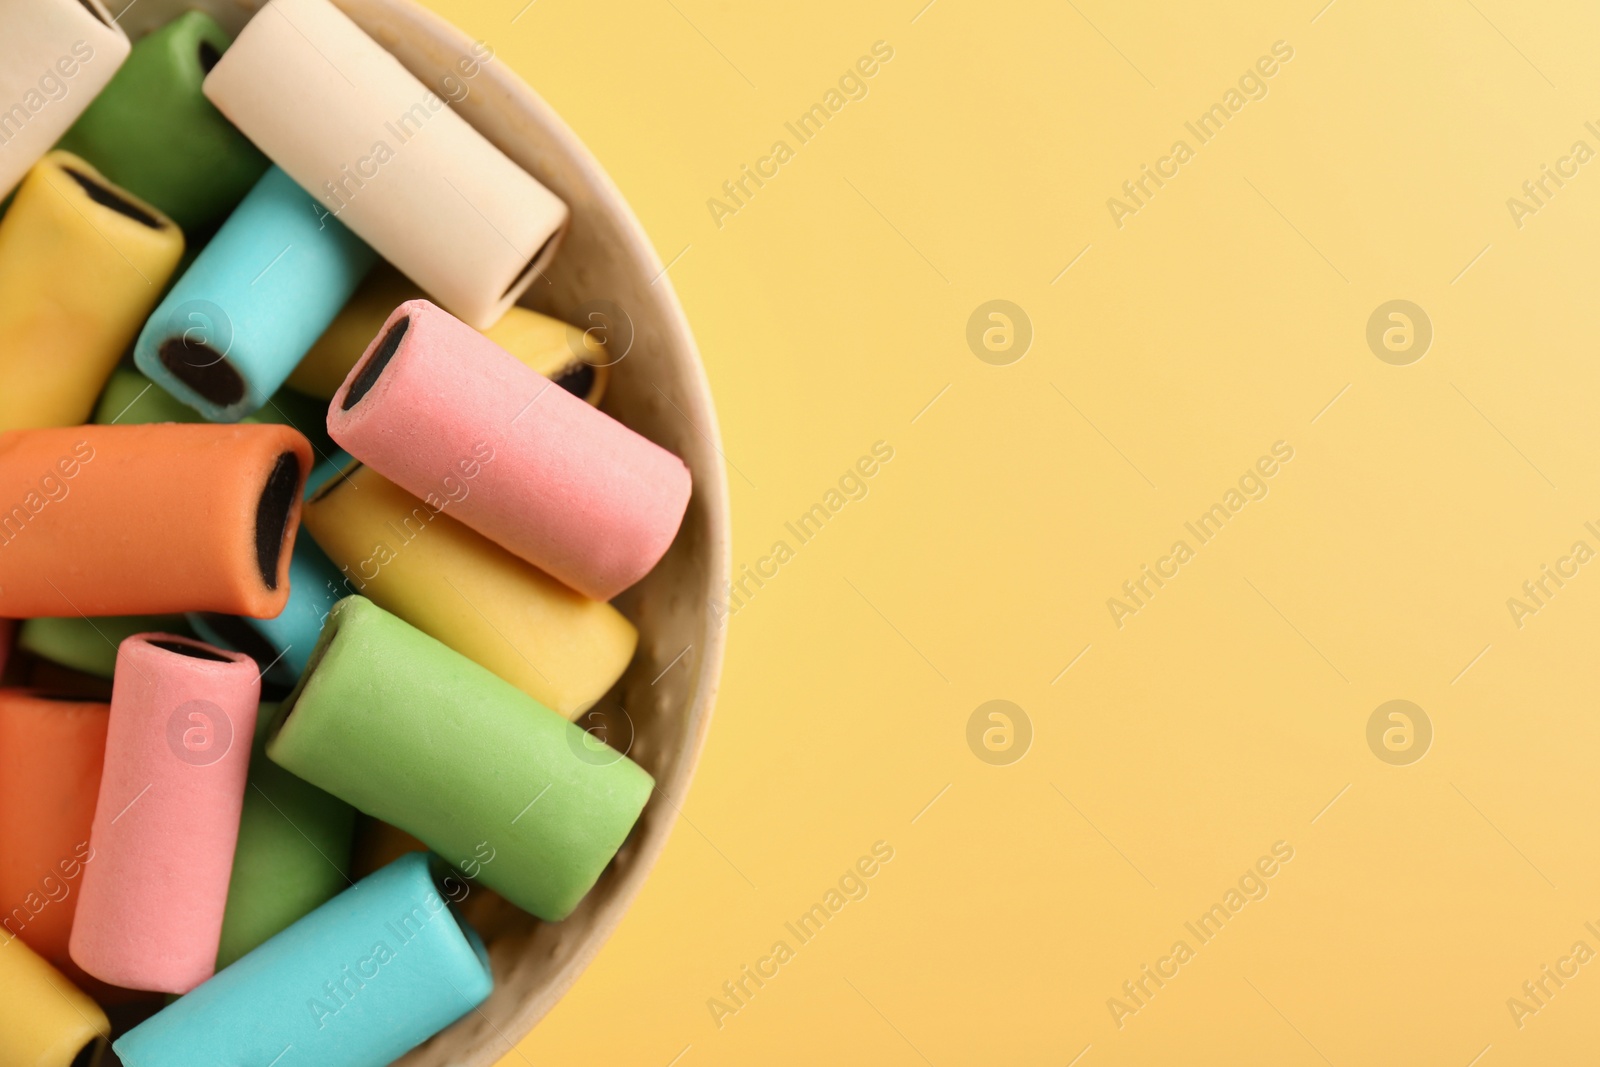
(167, 818)
(137, 520)
(55, 55)
(557, 482)
(265, 287)
(366, 977)
(81, 265)
(388, 156)
(45, 1020)
(459, 587)
(293, 853)
(153, 132)
(577, 360)
(421, 737)
(90, 645)
(51, 751)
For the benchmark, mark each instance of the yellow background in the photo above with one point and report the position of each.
(1229, 313)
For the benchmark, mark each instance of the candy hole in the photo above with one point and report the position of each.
(373, 368)
(97, 13)
(95, 1054)
(203, 369)
(577, 379)
(535, 264)
(108, 197)
(184, 648)
(272, 515)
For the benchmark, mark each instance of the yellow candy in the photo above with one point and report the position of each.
(82, 264)
(45, 1020)
(462, 589)
(545, 344)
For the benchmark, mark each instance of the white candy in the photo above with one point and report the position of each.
(388, 156)
(55, 55)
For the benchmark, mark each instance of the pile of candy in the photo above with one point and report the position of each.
(218, 275)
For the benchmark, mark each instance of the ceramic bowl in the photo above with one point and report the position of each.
(660, 710)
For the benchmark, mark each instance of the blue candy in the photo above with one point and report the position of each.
(253, 302)
(366, 977)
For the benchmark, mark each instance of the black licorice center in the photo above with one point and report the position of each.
(374, 367)
(272, 515)
(288, 705)
(209, 56)
(91, 9)
(89, 1053)
(534, 263)
(107, 197)
(184, 648)
(342, 478)
(577, 379)
(203, 369)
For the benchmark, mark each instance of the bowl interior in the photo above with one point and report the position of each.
(659, 711)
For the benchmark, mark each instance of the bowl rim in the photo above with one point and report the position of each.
(517, 93)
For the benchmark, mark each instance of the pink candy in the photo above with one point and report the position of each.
(438, 408)
(183, 716)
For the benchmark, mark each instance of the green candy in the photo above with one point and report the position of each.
(131, 399)
(153, 132)
(90, 645)
(419, 736)
(293, 853)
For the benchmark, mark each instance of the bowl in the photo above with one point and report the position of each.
(661, 708)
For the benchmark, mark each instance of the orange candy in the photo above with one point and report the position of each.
(51, 752)
(144, 520)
